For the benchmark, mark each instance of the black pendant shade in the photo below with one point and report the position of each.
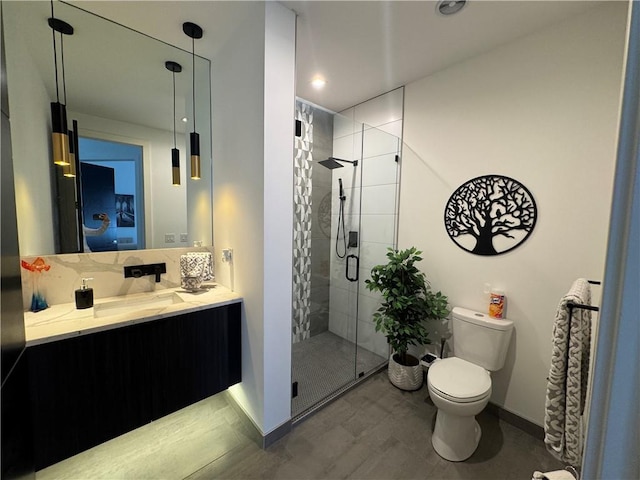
(59, 135)
(59, 127)
(195, 155)
(174, 68)
(70, 170)
(194, 31)
(175, 166)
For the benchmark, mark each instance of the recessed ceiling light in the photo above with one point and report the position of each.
(318, 83)
(449, 7)
(184, 119)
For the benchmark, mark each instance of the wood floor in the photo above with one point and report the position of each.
(373, 432)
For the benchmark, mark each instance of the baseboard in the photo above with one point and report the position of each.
(275, 435)
(252, 430)
(517, 421)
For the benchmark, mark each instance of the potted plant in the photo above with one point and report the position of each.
(408, 302)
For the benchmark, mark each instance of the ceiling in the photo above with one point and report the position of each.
(367, 48)
(362, 48)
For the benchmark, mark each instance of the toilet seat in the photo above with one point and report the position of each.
(459, 381)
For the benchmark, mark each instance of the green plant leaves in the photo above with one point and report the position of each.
(408, 300)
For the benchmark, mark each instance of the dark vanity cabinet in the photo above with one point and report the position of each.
(89, 389)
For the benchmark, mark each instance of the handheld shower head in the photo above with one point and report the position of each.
(341, 191)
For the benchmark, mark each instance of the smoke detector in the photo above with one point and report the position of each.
(450, 7)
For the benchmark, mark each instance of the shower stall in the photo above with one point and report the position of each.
(346, 177)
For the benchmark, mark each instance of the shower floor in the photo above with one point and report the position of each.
(323, 364)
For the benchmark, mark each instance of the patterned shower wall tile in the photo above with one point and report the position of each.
(303, 204)
(106, 269)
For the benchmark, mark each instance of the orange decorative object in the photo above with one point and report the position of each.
(36, 268)
(38, 265)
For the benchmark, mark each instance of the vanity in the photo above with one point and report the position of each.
(100, 372)
(97, 373)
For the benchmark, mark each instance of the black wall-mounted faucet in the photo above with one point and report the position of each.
(137, 271)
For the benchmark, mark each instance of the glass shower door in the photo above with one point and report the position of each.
(379, 182)
(345, 202)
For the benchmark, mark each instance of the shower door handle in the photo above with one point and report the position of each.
(348, 263)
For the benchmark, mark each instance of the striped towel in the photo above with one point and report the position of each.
(568, 374)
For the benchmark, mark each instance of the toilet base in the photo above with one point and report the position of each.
(455, 438)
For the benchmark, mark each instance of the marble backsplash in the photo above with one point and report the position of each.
(106, 268)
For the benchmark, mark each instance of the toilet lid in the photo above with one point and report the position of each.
(460, 380)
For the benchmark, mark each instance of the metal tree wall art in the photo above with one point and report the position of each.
(490, 215)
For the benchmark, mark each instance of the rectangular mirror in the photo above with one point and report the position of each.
(120, 97)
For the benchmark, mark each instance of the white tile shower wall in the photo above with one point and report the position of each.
(370, 209)
(106, 268)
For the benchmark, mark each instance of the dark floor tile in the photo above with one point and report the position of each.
(350, 460)
(376, 431)
(388, 435)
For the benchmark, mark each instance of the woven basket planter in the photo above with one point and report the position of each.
(403, 377)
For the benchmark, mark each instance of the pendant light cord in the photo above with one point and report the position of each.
(55, 55)
(193, 76)
(174, 109)
(64, 79)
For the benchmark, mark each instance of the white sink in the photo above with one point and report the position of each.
(117, 307)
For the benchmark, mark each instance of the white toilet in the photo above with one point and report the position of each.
(460, 386)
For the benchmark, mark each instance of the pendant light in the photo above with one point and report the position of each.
(174, 68)
(69, 171)
(194, 31)
(59, 130)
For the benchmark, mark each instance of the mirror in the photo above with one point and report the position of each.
(120, 93)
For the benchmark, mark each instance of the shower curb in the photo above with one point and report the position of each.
(334, 396)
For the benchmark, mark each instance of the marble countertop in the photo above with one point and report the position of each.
(59, 322)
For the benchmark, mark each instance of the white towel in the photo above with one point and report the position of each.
(568, 374)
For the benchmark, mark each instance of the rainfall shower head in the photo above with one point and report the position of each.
(332, 163)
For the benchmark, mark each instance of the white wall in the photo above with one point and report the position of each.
(371, 133)
(30, 119)
(542, 110)
(279, 114)
(253, 111)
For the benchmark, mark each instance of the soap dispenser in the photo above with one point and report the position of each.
(84, 295)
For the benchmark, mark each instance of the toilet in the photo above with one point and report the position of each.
(460, 386)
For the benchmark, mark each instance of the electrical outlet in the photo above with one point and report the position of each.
(169, 238)
(227, 255)
(183, 237)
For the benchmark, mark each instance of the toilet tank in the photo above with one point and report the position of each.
(480, 339)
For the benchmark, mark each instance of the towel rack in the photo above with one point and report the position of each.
(571, 305)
